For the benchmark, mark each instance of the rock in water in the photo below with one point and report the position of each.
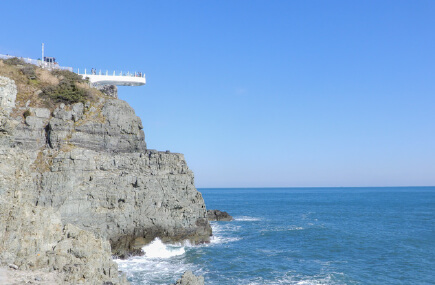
(216, 215)
(189, 278)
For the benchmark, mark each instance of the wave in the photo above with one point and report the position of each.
(282, 229)
(157, 249)
(220, 240)
(246, 219)
(223, 233)
(160, 262)
(321, 279)
(164, 263)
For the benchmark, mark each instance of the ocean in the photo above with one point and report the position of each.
(305, 236)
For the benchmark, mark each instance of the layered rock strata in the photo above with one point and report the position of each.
(85, 169)
(35, 238)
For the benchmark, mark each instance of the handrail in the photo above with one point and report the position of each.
(99, 73)
(38, 62)
(48, 65)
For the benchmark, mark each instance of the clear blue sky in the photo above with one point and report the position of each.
(260, 93)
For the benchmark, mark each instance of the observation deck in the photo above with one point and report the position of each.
(95, 78)
(120, 79)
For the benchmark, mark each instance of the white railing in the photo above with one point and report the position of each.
(38, 62)
(94, 75)
(94, 72)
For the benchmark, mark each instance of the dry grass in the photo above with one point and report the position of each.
(30, 89)
(42, 164)
(46, 77)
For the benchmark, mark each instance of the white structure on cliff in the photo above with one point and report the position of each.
(121, 79)
(96, 79)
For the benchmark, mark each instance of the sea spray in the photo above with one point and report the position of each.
(163, 263)
(156, 249)
(160, 264)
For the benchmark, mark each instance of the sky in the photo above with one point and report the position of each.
(260, 93)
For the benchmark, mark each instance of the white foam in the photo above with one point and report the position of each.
(223, 233)
(220, 240)
(161, 262)
(282, 229)
(246, 219)
(299, 280)
(156, 249)
(166, 262)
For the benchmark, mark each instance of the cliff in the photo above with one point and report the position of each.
(75, 174)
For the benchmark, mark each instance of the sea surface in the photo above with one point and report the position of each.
(305, 236)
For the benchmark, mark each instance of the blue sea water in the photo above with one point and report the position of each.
(305, 236)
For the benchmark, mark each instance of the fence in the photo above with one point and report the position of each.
(38, 62)
(49, 65)
(94, 72)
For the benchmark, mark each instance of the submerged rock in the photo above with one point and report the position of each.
(189, 278)
(216, 215)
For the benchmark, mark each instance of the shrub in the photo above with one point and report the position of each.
(26, 113)
(14, 61)
(66, 92)
(29, 71)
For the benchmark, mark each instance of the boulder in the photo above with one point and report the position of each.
(216, 215)
(189, 278)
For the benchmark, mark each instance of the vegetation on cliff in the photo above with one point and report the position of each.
(47, 88)
(79, 178)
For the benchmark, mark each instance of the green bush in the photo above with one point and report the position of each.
(66, 92)
(26, 113)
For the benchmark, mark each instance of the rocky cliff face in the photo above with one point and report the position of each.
(88, 166)
(35, 238)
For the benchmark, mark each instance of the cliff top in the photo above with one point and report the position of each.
(47, 89)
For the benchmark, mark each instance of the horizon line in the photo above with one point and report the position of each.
(278, 187)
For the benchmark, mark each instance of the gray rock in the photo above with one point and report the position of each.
(119, 131)
(35, 122)
(41, 112)
(35, 238)
(129, 198)
(109, 90)
(77, 111)
(58, 132)
(8, 94)
(62, 114)
(97, 173)
(216, 215)
(189, 278)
